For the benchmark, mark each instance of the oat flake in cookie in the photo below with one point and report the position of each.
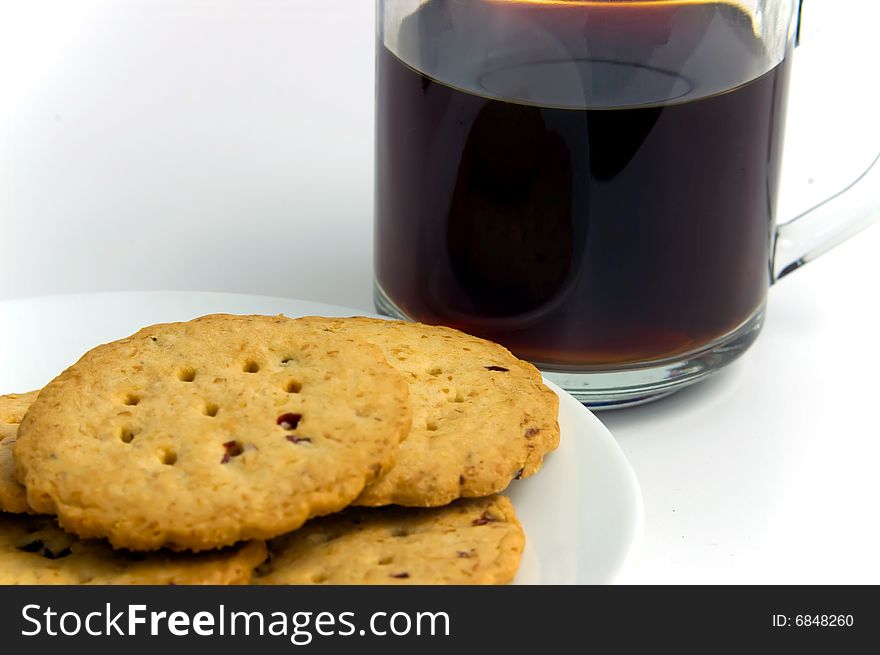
(202, 434)
(481, 417)
(13, 497)
(35, 551)
(473, 541)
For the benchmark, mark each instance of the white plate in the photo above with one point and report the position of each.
(582, 513)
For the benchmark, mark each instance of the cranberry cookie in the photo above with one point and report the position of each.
(473, 541)
(198, 435)
(35, 551)
(481, 417)
(13, 497)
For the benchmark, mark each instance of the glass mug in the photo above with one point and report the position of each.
(591, 183)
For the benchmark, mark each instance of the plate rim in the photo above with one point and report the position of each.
(601, 431)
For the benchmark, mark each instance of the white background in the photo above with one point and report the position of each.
(227, 145)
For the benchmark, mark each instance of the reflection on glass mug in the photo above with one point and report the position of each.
(592, 183)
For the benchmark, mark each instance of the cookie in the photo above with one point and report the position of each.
(203, 434)
(472, 541)
(35, 551)
(13, 497)
(481, 417)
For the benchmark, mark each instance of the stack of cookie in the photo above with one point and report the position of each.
(205, 452)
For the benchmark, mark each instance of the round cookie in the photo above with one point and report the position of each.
(13, 497)
(203, 434)
(473, 541)
(35, 551)
(481, 417)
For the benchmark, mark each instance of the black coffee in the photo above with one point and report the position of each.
(537, 187)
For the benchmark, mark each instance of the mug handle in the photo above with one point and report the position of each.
(831, 222)
(828, 224)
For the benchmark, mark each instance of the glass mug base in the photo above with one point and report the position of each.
(638, 384)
